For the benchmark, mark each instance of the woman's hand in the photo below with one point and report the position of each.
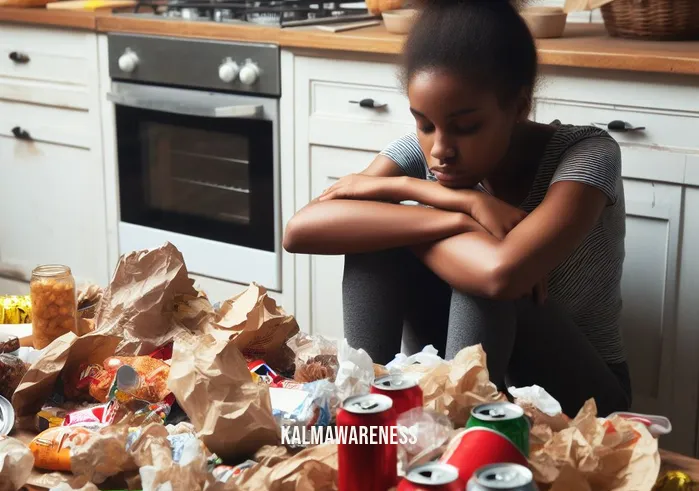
(496, 216)
(361, 187)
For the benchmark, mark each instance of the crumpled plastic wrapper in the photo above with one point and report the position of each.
(212, 384)
(355, 372)
(258, 327)
(312, 468)
(315, 357)
(189, 474)
(103, 455)
(611, 454)
(454, 387)
(433, 433)
(419, 362)
(16, 463)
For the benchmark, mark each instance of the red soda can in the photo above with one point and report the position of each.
(402, 389)
(475, 447)
(367, 457)
(434, 476)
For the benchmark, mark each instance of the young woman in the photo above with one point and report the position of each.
(519, 240)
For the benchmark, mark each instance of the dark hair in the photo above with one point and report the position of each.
(483, 40)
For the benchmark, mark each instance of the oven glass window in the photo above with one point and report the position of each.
(206, 177)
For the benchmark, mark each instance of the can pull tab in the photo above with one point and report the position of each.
(368, 405)
(495, 413)
(432, 476)
(499, 475)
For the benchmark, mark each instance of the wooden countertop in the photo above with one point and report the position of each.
(59, 18)
(584, 45)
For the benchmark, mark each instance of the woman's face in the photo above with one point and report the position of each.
(463, 130)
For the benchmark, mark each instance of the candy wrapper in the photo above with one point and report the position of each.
(595, 453)
(15, 309)
(355, 373)
(231, 413)
(454, 387)
(16, 462)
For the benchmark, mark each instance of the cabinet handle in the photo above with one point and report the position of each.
(18, 57)
(21, 134)
(621, 126)
(369, 104)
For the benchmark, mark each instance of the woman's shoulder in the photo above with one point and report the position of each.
(567, 135)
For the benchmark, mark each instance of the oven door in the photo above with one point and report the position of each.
(200, 169)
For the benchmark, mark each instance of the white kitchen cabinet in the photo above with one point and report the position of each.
(649, 293)
(327, 165)
(52, 196)
(52, 209)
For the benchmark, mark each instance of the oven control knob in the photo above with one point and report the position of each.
(228, 71)
(249, 73)
(128, 61)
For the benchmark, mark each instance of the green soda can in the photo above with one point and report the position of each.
(505, 418)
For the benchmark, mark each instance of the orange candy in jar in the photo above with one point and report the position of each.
(54, 306)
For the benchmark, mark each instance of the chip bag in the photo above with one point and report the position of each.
(51, 448)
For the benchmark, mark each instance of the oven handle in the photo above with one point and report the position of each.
(244, 111)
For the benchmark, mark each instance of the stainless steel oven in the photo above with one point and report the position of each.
(198, 153)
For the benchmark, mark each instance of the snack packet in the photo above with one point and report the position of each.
(51, 448)
(151, 385)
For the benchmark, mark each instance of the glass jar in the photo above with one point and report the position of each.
(54, 303)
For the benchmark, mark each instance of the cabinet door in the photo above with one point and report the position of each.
(52, 210)
(649, 316)
(328, 164)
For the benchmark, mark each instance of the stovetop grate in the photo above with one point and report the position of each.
(284, 13)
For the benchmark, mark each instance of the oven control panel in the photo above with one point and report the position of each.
(221, 66)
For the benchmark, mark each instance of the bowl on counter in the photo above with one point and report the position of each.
(399, 21)
(545, 22)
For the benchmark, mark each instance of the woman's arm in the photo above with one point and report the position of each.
(585, 182)
(480, 264)
(352, 226)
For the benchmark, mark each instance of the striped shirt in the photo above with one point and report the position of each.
(587, 283)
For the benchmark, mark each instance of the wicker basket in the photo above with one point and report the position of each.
(652, 19)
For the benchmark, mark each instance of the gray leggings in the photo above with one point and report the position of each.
(390, 295)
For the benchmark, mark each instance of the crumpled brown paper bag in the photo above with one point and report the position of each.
(103, 455)
(67, 352)
(140, 302)
(88, 486)
(313, 468)
(595, 453)
(576, 5)
(16, 463)
(454, 387)
(257, 326)
(212, 383)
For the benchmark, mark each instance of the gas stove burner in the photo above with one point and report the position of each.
(282, 13)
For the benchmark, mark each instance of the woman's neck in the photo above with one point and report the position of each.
(513, 178)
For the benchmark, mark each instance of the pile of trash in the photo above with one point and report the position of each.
(163, 390)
